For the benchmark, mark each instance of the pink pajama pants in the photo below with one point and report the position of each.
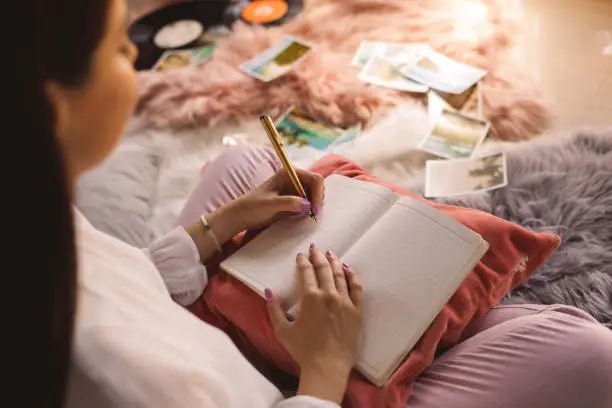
(518, 356)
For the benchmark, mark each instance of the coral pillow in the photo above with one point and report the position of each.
(514, 254)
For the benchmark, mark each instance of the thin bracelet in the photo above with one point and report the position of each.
(210, 233)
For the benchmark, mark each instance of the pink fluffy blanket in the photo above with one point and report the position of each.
(481, 33)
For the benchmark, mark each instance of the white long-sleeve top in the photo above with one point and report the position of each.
(135, 347)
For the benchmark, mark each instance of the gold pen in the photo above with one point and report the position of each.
(279, 147)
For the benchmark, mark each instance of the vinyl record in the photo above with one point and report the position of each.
(175, 27)
(264, 12)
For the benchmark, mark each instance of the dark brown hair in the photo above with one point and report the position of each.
(60, 39)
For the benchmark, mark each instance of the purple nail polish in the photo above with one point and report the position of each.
(306, 205)
(299, 215)
(268, 294)
(329, 253)
(345, 266)
(312, 245)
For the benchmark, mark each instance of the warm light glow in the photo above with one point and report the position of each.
(234, 139)
(465, 34)
(470, 17)
(607, 48)
(229, 141)
(471, 13)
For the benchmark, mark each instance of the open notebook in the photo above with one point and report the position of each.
(411, 258)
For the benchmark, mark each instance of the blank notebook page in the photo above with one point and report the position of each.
(268, 261)
(410, 262)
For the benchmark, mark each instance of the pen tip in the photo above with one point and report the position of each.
(262, 117)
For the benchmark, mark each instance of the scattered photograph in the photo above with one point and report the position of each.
(448, 178)
(383, 72)
(455, 135)
(277, 60)
(470, 103)
(201, 54)
(405, 52)
(348, 136)
(183, 58)
(172, 60)
(473, 105)
(442, 73)
(299, 128)
(436, 104)
(365, 51)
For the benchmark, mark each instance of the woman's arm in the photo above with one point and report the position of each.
(325, 339)
(223, 226)
(306, 402)
(272, 200)
(179, 255)
(178, 261)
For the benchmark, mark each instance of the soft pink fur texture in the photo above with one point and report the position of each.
(325, 83)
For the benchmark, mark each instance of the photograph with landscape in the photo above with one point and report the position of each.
(442, 73)
(297, 127)
(172, 60)
(277, 60)
(455, 135)
(283, 61)
(447, 178)
(383, 72)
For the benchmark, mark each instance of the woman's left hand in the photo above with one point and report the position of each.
(277, 198)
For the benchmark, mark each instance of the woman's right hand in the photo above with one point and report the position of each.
(326, 337)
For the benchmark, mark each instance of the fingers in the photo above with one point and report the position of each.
(278, 318)
(290, 205)
(338, 272)
(355, 287)
(323, 269)
(315, 184)
(308, 280)
(328, 273)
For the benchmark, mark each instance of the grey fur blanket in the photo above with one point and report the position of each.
(565, 188)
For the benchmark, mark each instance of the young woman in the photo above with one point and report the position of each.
(133, 344)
